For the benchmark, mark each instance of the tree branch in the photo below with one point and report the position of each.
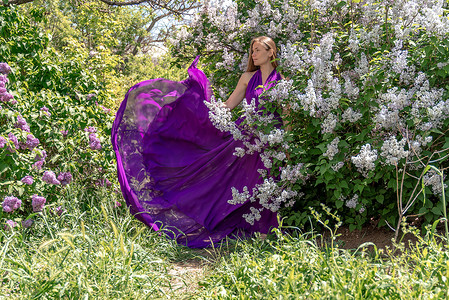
(15, 2)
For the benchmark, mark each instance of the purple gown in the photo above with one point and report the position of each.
(176, 170)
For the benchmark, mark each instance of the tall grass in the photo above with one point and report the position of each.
(95, 250)
(295, 267)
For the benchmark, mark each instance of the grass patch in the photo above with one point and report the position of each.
(96, 250)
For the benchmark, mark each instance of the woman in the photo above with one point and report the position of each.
(175, 169)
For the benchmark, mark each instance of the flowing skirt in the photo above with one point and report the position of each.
(176, 170)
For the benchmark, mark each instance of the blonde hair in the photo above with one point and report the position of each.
(268, 44)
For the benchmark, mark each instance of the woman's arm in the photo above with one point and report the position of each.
(239, 93)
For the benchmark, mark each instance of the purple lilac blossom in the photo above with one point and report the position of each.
(4, 79)
(45, 110)
(22, 124)
(105, 110)
(11, 203)
(2, 142)
(50, 177)
(10, 224)
(31, 142)
(38, 165)
(90, 96)
(27, 223)
(94, 142)
(60, 210)
(117, 204)
(38, 203)
(5, 68)
(13, 139)
(27, 180)
(41, 157)
(65, 178)
(90, 129)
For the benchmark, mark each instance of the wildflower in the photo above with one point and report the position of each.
(64, 132)
(27, 180)
(117, 204)
(38, 203)
(50, 178)
(11, 203)
(10, 224)
(5, 68)
(27, 223)
(65, 178)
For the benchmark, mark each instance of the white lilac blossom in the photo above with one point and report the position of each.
(332, 148)
(253, 216)
(350, 115)
(239, 198)
(433, 179)
(228, 60)
(37, 202)
(363, 65)
(292, 173)
(280, 91)
(11, 203)
(352, 203)
(329, 124)
(365, 160)
(337, 166)
(292, 57)
(27, 180)
(387, 119)
(350, 89)
(393, 151)
(50, 178)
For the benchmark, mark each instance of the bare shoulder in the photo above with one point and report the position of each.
(246, 77)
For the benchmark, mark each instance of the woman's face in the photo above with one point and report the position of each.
(260, 54)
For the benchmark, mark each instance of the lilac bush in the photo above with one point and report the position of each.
(33, 150)
(366, 96)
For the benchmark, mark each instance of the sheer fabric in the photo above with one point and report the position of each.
(176, 170)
